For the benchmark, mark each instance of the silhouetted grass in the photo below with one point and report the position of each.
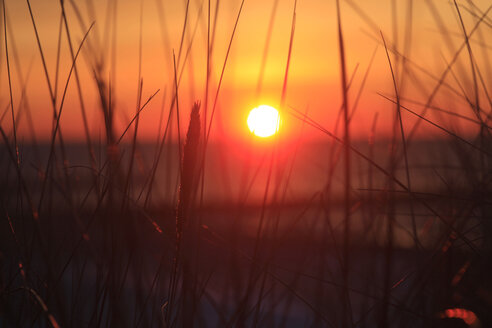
(121, 232)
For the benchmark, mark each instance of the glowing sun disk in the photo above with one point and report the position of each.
(263, 121)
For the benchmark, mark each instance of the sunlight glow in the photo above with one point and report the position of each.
(263, 121)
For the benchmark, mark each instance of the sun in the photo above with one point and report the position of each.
(263, 121)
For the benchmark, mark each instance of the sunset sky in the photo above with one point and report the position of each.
(313, 80)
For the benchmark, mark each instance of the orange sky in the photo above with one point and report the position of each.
(314, 76)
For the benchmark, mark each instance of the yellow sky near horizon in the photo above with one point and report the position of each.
(314, 75)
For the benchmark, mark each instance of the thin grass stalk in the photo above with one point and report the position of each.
(370, 175)
(384, 321)
(126, 190)
(173, 281)
(79, 89)
(470, 55)
(45, 68)
(183, 31)
(476, 105)
(205, 111)
(362, 86)
(404, 144)
(14, 129)
(139, 100)
(58, 51)
(222, 73)
(346, 312)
